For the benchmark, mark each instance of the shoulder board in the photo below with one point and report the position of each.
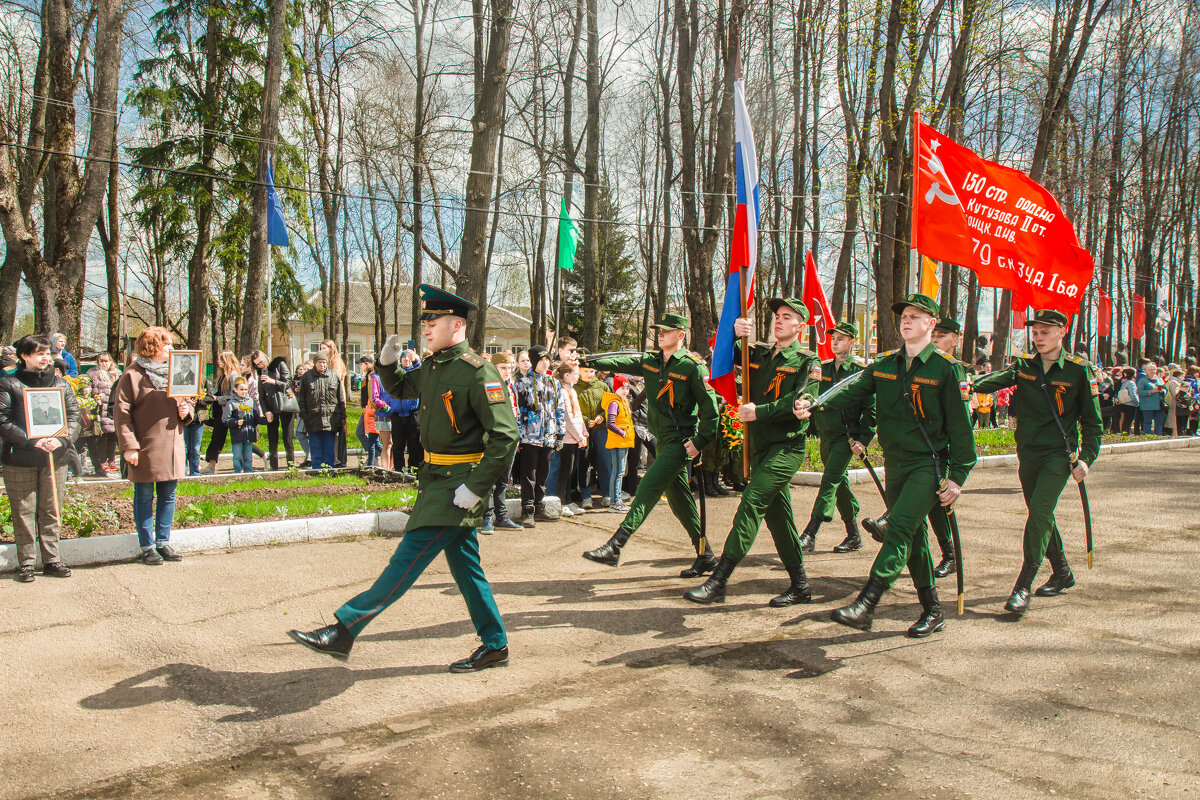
(827, 361)
(474, 359)
(860, 362)
(1027, 355)
(947, 356)
(1080, 360)
(888, 353)
(808, 353)
(695, 358)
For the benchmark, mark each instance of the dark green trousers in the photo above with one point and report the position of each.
(667, 475)
(1043, 475)
(912, 494)
(835, 488)
(767, 497)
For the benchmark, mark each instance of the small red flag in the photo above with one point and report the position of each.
(1139, 317)
(997, 222)
(818, 308)
(1018, 321)
(1104, 313)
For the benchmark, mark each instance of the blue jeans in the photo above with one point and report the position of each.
(372, 447)
(616, 471)
(193, 433)
(1152, 421)
(243, 456)
(598, 437)
(552, 475)
(144, 510)
(321, 445)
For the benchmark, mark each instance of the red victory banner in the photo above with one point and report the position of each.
(1104, 314)
(997, 222)
(818, 308)
(1018, 320)
(1139, 317)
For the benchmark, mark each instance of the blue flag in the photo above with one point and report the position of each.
(276, 226)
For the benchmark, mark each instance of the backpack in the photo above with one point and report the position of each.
(1125, 397)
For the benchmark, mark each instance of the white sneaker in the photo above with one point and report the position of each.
(208, 470)
(587, 503)
(567, 512)
(574, 507)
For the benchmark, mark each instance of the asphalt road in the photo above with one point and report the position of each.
(179, 681)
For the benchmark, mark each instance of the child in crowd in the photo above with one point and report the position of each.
(620, 438)
(242, 419)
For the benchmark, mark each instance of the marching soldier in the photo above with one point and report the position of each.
(946, 336)
(1060, 407)
(469, 434)
(776, 439)
(682, 415)
(928, 452)
(844, 434)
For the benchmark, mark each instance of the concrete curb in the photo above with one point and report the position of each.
(1008, 460)
(95, 550)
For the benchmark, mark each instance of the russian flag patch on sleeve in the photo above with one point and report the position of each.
(964, 388)
(494, 391)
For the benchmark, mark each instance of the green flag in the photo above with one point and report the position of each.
(568, 238)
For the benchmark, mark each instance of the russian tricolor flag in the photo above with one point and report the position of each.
(743, 250)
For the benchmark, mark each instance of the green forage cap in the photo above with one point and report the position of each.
(437, 303)
(794, 303)
(671, 322)
(1049, 316)
(847, 328)
(923, 302)
(947, 325)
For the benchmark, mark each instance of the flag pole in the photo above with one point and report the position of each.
(914, 271)
(745, 370)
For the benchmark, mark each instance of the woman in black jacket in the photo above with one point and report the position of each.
(322, 397)
(274, 383)
(35, 494)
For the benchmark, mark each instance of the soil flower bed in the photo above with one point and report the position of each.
(102, 509)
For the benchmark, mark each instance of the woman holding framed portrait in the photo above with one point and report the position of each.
(38, 420)
(150, 426)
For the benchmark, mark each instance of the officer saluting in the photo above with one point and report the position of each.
(682, 415)
(919, 403)
(469, 434)
(776, 438)
(843, 434)
(1058, 396)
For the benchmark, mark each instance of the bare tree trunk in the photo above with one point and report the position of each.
(472, 282)
(250, 332)
(592, 311)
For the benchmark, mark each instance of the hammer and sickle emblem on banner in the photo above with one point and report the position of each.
(934, 165)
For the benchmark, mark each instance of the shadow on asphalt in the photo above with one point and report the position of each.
(805, 658)
(264, 695)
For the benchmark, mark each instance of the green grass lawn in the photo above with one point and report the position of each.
(301, 506)
(353, 412)
(206, 488)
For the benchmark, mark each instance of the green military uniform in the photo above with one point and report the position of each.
(469, 434)
(776, 441)
(938, 520)
(1044, 466)
(679, 406)
(837, 429)
(912, 483)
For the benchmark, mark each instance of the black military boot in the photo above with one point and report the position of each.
(947, 564)
(705, 563)
(798, 592)
(713, 589)
(1060, 580)
(852, 541)
(931, 619)
(859, 613)
(876, 527)
(808, 539)
(336, 640)
(610, 552)
(719, 487)
(1018, 603)
(708, 479)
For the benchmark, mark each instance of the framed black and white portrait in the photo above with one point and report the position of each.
(45, 412)
(183, 373)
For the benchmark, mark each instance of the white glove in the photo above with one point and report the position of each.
(465, 498)
(391, 350)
